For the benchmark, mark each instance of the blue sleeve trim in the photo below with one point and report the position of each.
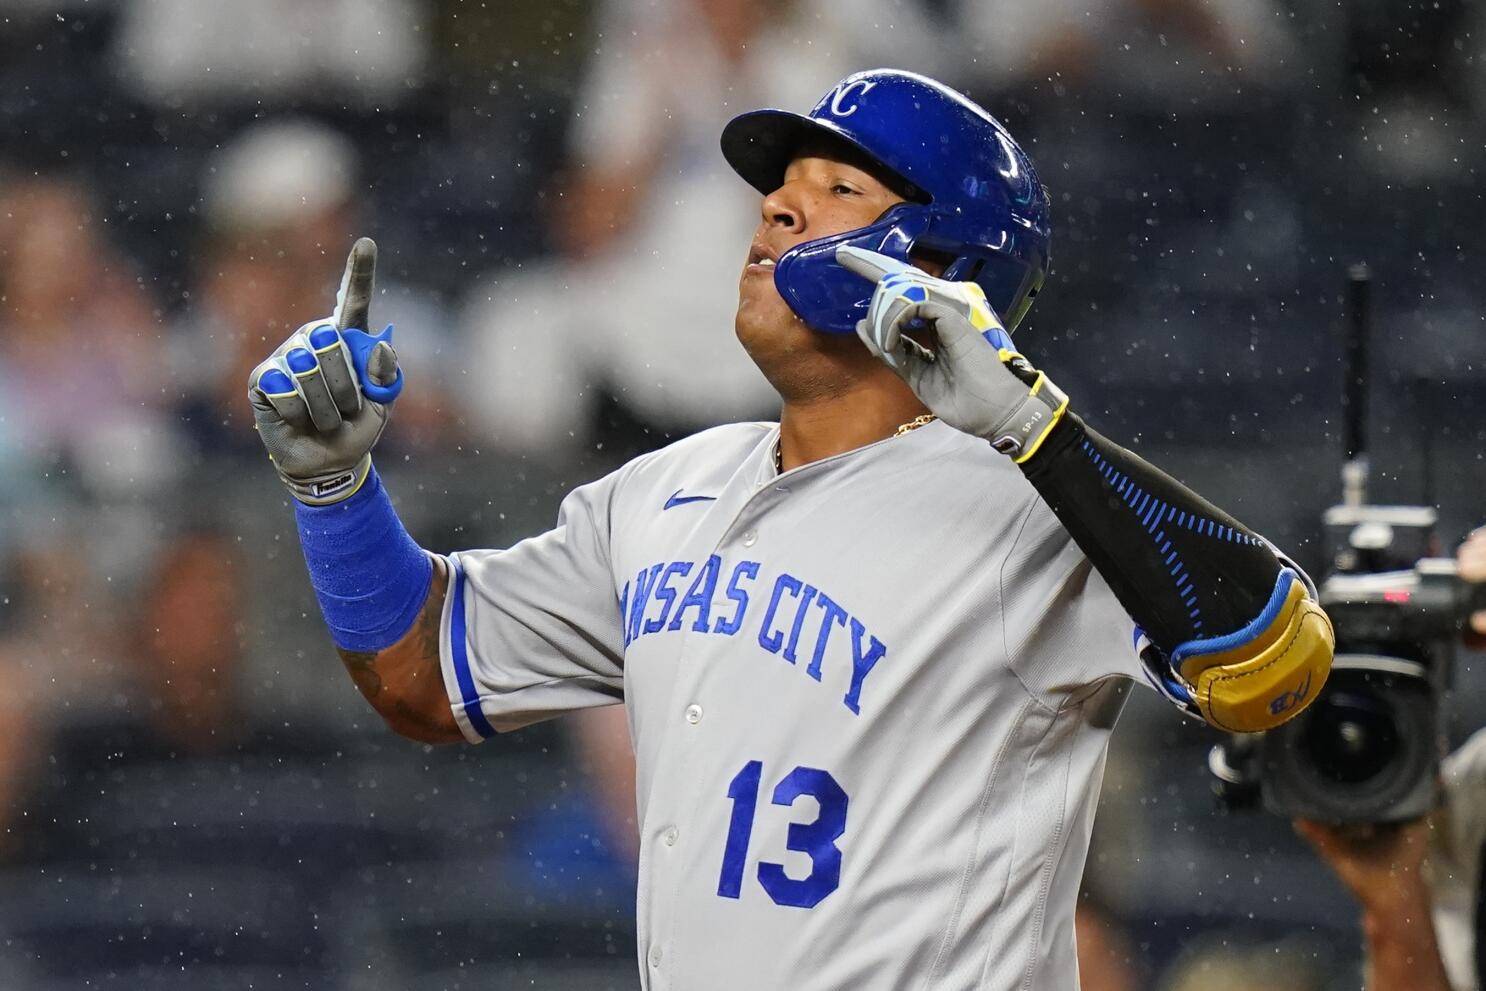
(458, 649)
(1238, 638)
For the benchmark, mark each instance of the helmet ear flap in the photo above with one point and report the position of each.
(1031, 286)
(827, 297)
(1010, 284)
(831, 299)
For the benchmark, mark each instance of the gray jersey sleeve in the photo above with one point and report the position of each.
(1065, 630)
(533, 631)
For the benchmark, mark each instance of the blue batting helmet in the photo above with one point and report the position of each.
(974, 197)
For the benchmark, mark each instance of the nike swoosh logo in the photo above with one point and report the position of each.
(677, 499)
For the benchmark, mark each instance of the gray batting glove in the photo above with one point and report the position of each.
(973, 379)
(321, 400)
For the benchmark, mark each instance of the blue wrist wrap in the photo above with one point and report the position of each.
(371, 577)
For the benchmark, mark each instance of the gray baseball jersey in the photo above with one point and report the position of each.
(870, 700)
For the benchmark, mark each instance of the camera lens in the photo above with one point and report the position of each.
(1366, 749)
(1351, 736)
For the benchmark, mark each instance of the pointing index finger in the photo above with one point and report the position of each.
(353, 301)
(870, 265)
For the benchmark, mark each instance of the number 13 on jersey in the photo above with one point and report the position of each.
(816, 839)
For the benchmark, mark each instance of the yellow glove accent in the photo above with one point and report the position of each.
(1270, 679)
(982, 317)
(1062, 408)
(1060, 398)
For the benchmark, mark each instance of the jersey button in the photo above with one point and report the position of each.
(693, 713)
(671, 836)
(655, 956)
(750, 537)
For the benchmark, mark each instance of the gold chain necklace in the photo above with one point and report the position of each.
(922, 419)
(913, 424)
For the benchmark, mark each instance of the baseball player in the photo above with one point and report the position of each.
(871, 653)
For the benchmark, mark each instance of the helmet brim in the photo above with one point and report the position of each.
(759, 145)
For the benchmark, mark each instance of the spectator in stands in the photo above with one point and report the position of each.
(190, 647)
(22, 747)
(280, 201)
(276, 200)
(171, 832)
(190, 52)
(1230, 965)
(79, 337)
(642, 257)
(173, 697)
(86, 438)
(179, 696)
(1171, 52)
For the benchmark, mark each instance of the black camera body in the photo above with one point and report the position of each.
(1368, 748)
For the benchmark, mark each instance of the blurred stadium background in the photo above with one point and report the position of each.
(192, 793)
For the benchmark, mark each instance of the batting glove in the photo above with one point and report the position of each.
(321, 400)
(974, 379)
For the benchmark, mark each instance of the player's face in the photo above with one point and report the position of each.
(822, 194)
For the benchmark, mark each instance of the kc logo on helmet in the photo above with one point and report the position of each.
(839, 99)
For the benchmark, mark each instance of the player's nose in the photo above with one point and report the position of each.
(782, 209)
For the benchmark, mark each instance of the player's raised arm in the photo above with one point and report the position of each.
(320, 402)
(1239, 638)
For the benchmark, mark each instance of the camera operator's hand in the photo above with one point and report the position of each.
(1470, 560)
(1383, 867)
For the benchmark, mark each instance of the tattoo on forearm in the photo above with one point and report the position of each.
(363, 668)
(423, 639)
(401, 668)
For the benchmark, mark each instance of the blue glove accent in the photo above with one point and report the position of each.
(323, 336)
(371, 577)
(299, 360)
(275, 383)
(361, 344)
(998, 338)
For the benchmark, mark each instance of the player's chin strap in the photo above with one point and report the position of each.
(1257, 677)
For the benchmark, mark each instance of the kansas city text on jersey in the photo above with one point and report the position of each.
(797, 624)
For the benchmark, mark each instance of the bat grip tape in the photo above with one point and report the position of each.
(370, 576)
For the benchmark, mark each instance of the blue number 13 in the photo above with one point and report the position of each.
(817, 839)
